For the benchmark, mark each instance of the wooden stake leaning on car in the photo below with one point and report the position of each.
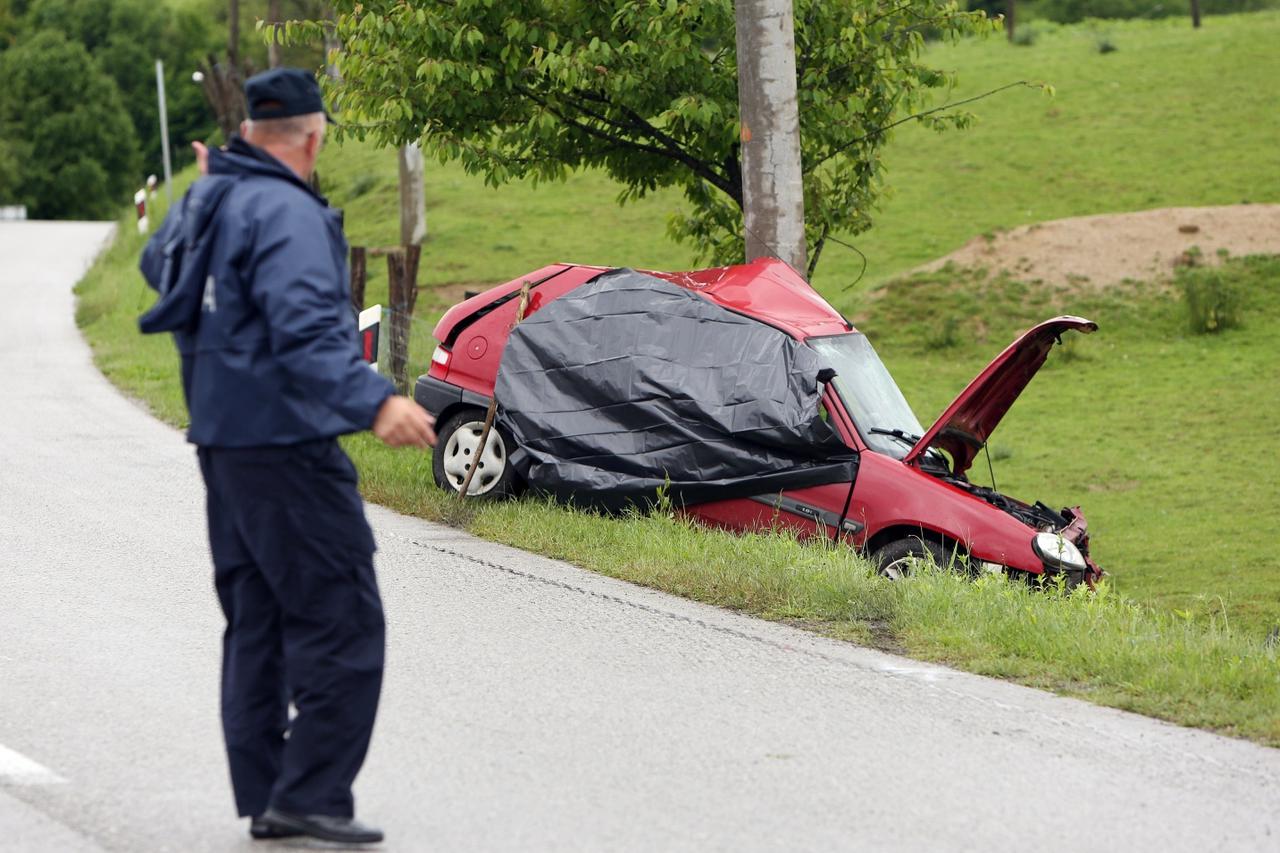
(493, 403)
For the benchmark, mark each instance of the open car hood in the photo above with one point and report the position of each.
(966, 424)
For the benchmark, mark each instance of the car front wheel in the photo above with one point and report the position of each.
(900, 557)
(458, 449)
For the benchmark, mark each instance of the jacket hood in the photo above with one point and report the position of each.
(240, 159)
(965, 425)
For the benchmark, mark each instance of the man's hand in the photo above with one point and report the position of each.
(402, 422)
(202, 157)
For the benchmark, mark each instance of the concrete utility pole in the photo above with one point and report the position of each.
(413, 198)
(331, 42)
(772, 179)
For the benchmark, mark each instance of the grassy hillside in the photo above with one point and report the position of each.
(1174, 116)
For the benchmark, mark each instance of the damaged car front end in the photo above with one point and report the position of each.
(1043, 541)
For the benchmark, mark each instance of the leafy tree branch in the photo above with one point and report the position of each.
(645, 90)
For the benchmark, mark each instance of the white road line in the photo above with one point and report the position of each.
(17, 769)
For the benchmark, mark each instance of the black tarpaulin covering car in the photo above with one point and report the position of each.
(630, 382)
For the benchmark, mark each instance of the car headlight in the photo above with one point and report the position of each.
(1058, 552)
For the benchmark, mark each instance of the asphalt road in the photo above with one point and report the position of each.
(528, 705)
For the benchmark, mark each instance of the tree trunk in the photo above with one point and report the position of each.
(413, 202)
(1195, 14)
(233, 34)
(1010, 16)
(401, 296)
(772, 177)
(224, 91)
(273, 46)
(359, 275)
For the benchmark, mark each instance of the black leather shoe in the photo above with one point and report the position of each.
(342, 830)
(261, 829)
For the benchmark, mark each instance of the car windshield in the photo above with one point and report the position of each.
(879, 410)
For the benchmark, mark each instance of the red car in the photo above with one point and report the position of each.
(910, 498)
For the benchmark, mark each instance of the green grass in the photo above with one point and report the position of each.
(1164, 437)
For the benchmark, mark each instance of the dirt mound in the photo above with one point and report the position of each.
(1106, 249)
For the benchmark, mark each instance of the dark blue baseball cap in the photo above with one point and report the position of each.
(284, 92)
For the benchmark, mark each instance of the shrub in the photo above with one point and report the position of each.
(1213, 302)
(1024, 36)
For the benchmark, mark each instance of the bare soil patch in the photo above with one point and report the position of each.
(1103, 250)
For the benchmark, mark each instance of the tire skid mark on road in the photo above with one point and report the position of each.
(17, 769)
(930, 677)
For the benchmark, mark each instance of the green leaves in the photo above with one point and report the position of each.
(643, 89)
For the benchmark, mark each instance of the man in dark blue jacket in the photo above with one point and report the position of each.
(251, 270)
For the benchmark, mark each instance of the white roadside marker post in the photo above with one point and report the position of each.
(140, 204)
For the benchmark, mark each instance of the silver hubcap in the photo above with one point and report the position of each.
(903, 566)
(898, 569)
(462, 450)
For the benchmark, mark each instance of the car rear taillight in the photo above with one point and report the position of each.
(440, 362)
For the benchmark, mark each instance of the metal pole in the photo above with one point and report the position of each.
(164, 134)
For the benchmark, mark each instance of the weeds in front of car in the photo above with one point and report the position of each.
(1098, 645)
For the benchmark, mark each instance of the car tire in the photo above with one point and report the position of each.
(458, 439)
(897, 559)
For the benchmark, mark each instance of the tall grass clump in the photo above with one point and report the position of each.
(944, 335)
(1212, 300)
(1096, 644)
(1025, 36)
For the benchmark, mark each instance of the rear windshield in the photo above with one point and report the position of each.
(869, 393)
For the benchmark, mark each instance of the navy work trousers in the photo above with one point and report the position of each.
(293, 566)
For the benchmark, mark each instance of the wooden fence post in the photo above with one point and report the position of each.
(412, 256)
(400, 295)
(359, 274)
